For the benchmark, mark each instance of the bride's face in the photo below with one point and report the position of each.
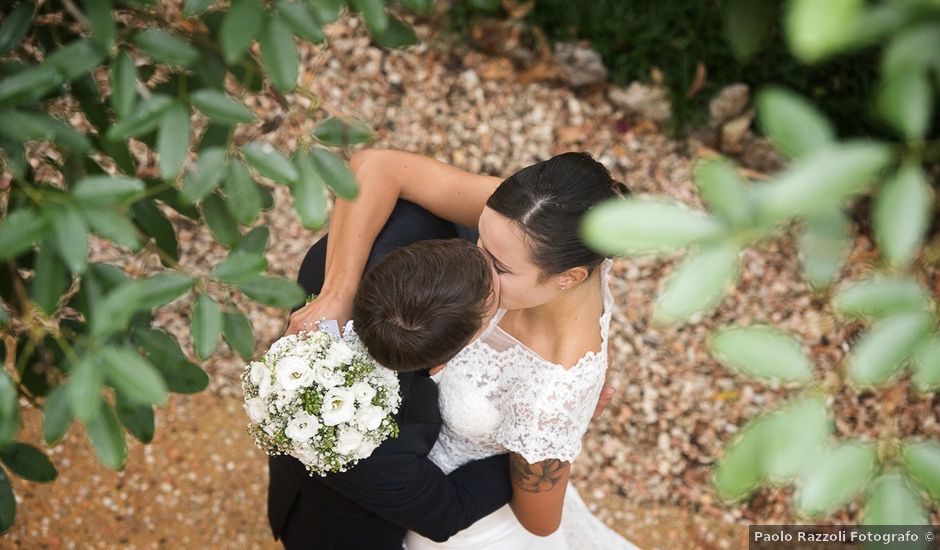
(517, 275)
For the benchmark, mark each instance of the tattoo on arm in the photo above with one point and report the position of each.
(538, 477)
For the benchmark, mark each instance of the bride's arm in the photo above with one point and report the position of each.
(538, 493)
(385, 176)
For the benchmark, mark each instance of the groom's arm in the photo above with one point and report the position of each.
(406, 488)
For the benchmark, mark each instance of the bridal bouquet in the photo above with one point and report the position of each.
(320, 398)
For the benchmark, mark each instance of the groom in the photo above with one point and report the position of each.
(397, 488)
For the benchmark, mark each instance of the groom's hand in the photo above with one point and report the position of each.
(324, 306)
(607, 392)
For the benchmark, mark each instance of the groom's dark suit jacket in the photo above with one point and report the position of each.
(398, 488)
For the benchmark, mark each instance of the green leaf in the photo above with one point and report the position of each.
(242, 194)
(191, 8)
(21, 228)
(155, 224)
(913, 48)
(173, 140)
(342, 132)
(279, 54)
(114, 312)
(180, 375)
(326, 11)
(220, 107)
(101, 22)
(206, 326)
(833, 478)
(796, 126)
(237, 332)
(795, 434)
(763, 352)
(397, 35)
(640, 226)
(106, 189)
(28, 462)
(905, 101)
(738, 473)
(133, 376)
(824, 244)
(23, 126)
(222, 225)
(882, 351)
(420, 7)
(272, 291)
(57, 415)
(296, 16)
(162, 289)
(309, 197)
(107, 438)
(137, 418)
(255, 242)
(823, 180)
(240, 267)
(112, 225)
(29, 84)
(335, 173)
(746, 24)
(699, 284)
(50, 279)
(892, 501)
(902, 214)
(75, 58)
(7, 503)
(881, 296)
(816, 30)
(167, 48)
(269, 162)
(84, 387)
(927, 366)
(123, 84)
(142, 119)
(71, 237)
(205, 176)
(14, 29)
(922, 462)
(240, 26)
(724, 191)
(373, 12)
(9, 410)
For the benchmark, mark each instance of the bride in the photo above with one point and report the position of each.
(529, 383)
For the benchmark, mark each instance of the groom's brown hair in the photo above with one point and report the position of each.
(422, 303)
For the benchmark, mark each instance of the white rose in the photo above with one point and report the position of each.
(348, 441)
(326, 376)
(339, 354)
(264, 387)
(338, 406)
(293, 373)
(302, 427)
(365, 449)
(363, 392)
(256, 409)
(369, 417)
(256, 372)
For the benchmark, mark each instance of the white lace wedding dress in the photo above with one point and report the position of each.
(497, 395)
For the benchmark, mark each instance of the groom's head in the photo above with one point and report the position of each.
(420, 304)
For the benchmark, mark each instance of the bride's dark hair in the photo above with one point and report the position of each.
(548, 201)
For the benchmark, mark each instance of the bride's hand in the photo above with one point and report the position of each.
(324, 306)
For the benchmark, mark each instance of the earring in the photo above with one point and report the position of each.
(564, 287)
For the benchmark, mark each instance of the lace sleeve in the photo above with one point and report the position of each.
(546, 408)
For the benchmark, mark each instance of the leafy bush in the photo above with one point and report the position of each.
(793, 443)
(87, 95)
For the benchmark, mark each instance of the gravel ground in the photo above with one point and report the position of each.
(646, 462)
